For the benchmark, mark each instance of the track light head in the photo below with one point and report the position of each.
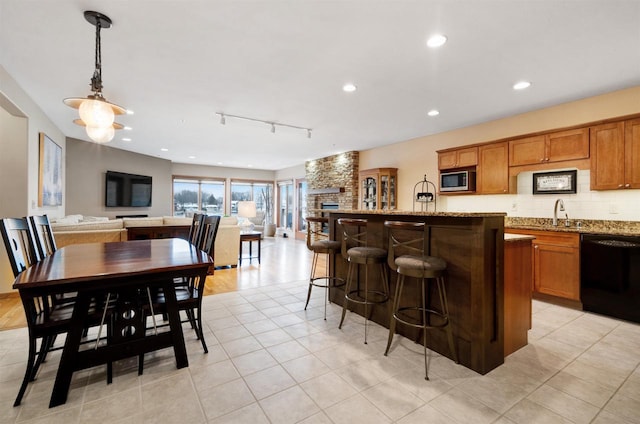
(273, 127)
(308, 133)
(223, 121)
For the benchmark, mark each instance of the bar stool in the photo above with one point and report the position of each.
(408, 250)
(356, 251)
(318, 242)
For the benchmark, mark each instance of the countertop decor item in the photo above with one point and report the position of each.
(422, 196)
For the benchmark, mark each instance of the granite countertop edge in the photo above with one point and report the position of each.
(411, 213)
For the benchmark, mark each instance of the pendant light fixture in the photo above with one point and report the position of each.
(96, 113)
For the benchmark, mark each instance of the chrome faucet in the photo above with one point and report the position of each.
(555, 211)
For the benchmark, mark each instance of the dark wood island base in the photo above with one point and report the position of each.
(472, 245)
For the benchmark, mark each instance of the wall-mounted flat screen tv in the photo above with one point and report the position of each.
(124, 190)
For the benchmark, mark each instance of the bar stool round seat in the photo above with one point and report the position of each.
(319, 243)
(411, 238)
(356, 252)
(325, 246)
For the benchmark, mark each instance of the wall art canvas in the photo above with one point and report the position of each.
(50, 173)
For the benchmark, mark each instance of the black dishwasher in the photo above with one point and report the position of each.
(610, 275)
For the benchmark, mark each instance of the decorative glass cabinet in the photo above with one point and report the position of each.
(378, 188)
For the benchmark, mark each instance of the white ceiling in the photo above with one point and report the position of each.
(176, 63)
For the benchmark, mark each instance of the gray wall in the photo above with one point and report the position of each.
(86, 166)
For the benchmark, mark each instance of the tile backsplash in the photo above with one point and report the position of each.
(614, 205)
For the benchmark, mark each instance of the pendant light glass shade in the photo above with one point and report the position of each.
(101, 134)
(96, 113)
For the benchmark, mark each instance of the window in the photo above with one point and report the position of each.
(192, 195)
(250, 190)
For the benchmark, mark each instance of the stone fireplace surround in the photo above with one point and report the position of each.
(333, 179)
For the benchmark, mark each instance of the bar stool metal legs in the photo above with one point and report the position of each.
(424, 268)
(356, 251)
(318, 242)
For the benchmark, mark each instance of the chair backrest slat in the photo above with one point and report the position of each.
(210, 226)
(195, 232)
(315, 227)
(19, 243)
(43, 235)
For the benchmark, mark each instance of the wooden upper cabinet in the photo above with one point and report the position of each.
(553, 147)
(610, 158)
(459, 158)
(632, 153)
(493, 169)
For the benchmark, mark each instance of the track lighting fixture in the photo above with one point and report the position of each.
(96, 113)
(272, 124)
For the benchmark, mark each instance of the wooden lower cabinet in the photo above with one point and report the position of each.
(556, 263)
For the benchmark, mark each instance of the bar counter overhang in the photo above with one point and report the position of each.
(472, 245)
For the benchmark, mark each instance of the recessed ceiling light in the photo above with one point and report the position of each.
(129, 112)
(436, 40)
(127, 128)
(192, 157)
(219, 163)
(521, 85)
(126, 139)
(349, 87)
(433, 112)
(249, 166)
(164, 149)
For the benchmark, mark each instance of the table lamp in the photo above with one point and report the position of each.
(246, 210)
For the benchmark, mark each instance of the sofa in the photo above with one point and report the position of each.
(76, 229)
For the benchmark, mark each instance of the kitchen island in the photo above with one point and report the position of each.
(472, 244)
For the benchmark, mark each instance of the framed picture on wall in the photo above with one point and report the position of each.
(557, 182)
(49, 173)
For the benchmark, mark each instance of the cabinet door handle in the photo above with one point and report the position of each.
(619, 185)
(627, 185)
(542, 160)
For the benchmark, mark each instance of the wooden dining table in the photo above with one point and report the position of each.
(118, 269)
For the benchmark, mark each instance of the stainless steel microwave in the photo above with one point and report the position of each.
(458, 181)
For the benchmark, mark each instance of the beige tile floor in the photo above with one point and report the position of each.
(270, 361)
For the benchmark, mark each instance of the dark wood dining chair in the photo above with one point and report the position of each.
(46, 316)
(189, 296)
(19, 243)
(44, 321)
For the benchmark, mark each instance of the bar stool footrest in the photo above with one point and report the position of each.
(403, 318)
(327, 280)
(355, 297)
